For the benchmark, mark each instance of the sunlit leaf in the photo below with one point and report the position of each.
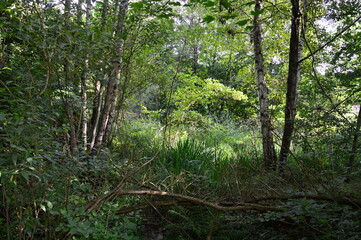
(42, 207)
(49, 204)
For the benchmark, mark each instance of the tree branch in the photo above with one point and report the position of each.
(332, 39)
(197, 201)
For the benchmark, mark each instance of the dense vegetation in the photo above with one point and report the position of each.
(193, 119)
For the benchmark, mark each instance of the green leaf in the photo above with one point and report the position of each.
(242, 22)
(227, 17)
(225, 4)
(63, 212)
(25, 174)
(6, 68)
(137, 5)
(18, 147)
(49, 204)
(208, 4)
(175, 3)
(165, 15)
(249, 28)
(257, 12)
(208, 19)
(249, 3)
(42, 207)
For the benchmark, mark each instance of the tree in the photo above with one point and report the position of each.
(292, 83)
(111, 96)
(269, 153)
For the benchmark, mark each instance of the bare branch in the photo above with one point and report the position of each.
(197, 201)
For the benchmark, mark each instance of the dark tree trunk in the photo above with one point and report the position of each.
(69, 111)
(105, 12)
(68, 83)
(269, 153)
(97, 104)
(292, 85)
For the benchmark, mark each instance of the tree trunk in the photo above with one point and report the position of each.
(105, 12)
(84, 120)
(97, 105)
(108, 114)
(120, 31)
(98, 89)
(68, 83)
(354, 148)
(269, 153)
(69, 112)
(292, 85)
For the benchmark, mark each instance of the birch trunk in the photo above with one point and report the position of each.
(84, 121)
(98, 89)
(84, 76)
(269, 153)
(120, 31)
(108, 114)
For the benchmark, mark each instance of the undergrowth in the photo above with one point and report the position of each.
(45, 191)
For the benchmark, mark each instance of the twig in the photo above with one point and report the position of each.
(90, 206)
(332, 39)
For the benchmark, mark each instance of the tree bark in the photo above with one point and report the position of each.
(292, 85)
(98, 100)
(105, 12)
(354, 148)
(68, 83)
(120, 31)
(84, 121)
(194, 48)
(84, 76)
(98, 89)
(108, 114)
(269, 153)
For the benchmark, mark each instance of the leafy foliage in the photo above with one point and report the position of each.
(185, 120)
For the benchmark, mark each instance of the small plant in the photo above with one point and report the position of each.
(188, 155)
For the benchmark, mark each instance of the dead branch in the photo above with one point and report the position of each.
(197, 201)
